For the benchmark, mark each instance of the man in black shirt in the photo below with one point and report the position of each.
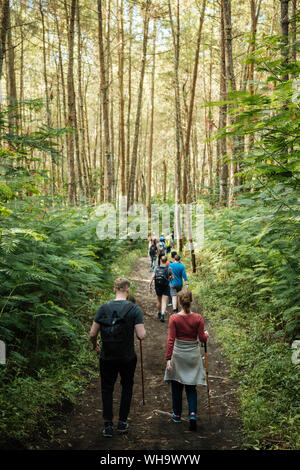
(117, 322)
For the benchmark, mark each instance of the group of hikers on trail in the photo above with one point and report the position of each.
(168, 276)
(159, 248)
(120, 319)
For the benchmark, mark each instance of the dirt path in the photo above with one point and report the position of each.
(151, 429)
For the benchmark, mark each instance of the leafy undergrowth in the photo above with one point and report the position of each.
(54, 272)
(248, 283)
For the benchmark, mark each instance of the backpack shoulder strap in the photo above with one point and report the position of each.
(107, 310)
(126, 309)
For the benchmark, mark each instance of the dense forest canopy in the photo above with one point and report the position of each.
(92, 68)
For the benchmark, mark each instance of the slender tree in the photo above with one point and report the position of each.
(186, 179)
(151, 120)
(121, 100)
(139, 105)
(71, 105)
(223, 110)
(108, 181)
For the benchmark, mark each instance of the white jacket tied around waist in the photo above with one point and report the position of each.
(187, 364)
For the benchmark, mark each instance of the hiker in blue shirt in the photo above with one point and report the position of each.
(176, 283)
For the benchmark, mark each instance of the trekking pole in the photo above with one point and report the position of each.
(207, 381)
(142, 372)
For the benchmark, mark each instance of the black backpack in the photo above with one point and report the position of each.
(162, 276)
(152, 251)
(114, 331)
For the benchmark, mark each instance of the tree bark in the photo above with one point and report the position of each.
(3, 33)
(151, 121)
(139, 107)
(284, 19)
(108, 182)
(121, 101)
(129, 98)
(222, 116)
(179, 134)
(71, 107)
(186, 179)
(12, 98)
(82, 158)
(294, 31)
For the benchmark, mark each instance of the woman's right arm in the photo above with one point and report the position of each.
(171, 338)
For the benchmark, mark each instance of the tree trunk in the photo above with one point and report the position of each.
(71, 107)
(186, 179)
(284, 19)
(179, 134)
(64, 100)
(121, 101)
(82, 160)
(110, 92)
(108, 182)
(165, 181)
(294, 31)
(139, 108)
(151, 122)
(12, 95)
(129, 98)
(222, 116)
(3, 33)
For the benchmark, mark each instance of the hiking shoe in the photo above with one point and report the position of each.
(108, 430)
(122, 427)
(176, 418)
(162, 317)
(193, 422)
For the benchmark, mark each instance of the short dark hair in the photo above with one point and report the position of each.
(173, 254)
(122, 284)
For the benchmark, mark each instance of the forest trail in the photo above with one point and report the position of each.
(151, 429)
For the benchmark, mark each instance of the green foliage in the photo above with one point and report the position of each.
(248, 285)
(54, 271)
(249, 281)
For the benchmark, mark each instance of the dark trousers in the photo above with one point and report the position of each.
(109, 371)
(191, 395)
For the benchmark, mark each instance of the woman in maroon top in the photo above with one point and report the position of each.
(184, 363)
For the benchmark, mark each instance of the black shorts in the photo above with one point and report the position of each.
(162, 290)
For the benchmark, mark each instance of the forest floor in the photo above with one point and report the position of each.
(151, 427)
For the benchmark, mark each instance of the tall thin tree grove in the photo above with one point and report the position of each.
(124, 79)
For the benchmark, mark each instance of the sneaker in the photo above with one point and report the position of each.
(193, 422)
(176, 418)
(122, 427)
(170, 305)
(162, 317)
(175, 310)
(108, 430)
(159, 315)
